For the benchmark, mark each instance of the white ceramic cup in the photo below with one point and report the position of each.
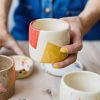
(46, 37)
(81, 85)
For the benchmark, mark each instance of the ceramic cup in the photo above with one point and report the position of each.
(81, 85)
(7, 77)
(46, 37)
(24, 66)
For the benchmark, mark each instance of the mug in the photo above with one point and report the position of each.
(46, 37)
(7, 77)
(80, 85)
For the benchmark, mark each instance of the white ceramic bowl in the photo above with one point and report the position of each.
(23, 66)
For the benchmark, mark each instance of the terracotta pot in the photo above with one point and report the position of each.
(7, 77)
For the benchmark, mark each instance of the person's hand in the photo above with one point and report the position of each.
(75, 43)
(8, 42)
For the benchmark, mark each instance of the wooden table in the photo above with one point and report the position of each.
(42, 86)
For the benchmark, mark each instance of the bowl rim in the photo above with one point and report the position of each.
(12, 63)
(76, 90)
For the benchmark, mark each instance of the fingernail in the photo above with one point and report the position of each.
(56, 66)
(64, 50)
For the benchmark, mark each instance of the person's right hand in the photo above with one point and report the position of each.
(8, 42)
(76, 34)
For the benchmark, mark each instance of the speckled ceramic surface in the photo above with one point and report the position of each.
(7, 77)
(23, 66)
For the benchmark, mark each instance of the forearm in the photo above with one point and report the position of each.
(4, 10)
(90, 15)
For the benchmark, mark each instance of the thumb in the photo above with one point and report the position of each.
(71, 49)
(75, 46)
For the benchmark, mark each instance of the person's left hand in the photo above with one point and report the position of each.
(75, 43)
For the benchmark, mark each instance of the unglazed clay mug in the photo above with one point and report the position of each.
(81, 85)
(46, 37)
(7, 77)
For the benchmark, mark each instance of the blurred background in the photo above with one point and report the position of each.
(11, 19)
(93, 34)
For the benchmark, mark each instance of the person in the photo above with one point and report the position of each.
(80, 17)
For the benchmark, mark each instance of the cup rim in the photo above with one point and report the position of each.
(67, 25)
(12, 63)
(76, 90)
(21, 57)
